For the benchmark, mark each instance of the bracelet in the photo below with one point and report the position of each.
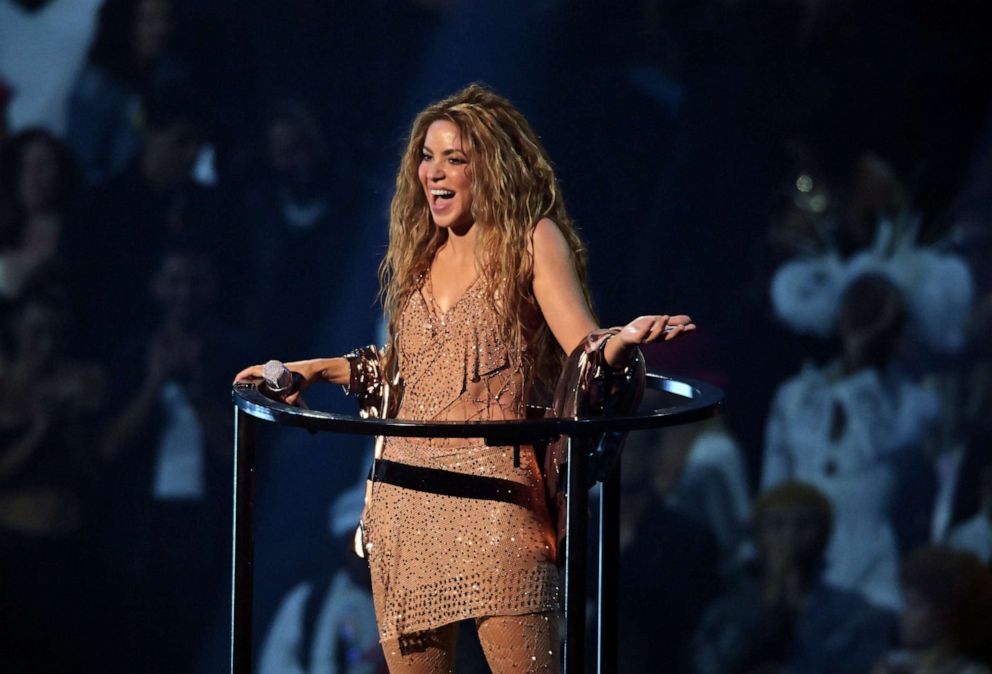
(610, 380)
(365, 377)
(596, 343)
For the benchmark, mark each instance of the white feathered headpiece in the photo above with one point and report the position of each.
(938, 287)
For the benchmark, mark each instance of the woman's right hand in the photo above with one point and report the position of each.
(333, 370)
(307, 370)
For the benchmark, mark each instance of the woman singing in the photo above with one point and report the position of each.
(484, 291)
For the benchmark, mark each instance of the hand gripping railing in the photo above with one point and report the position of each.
(667, 402)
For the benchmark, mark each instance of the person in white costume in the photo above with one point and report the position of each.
(840, 426)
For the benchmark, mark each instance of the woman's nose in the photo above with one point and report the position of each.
(435, 171)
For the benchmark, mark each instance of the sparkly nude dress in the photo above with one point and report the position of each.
(437, 558)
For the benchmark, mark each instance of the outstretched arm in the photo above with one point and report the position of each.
(331, 370)
(559, 294)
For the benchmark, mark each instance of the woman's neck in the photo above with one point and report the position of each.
(460, 243)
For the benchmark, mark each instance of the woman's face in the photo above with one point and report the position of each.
(444, 175)
(39, 176)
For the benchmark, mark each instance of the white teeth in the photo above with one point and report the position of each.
(442, 193)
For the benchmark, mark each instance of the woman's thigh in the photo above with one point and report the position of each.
(524, 643)
(431, 652)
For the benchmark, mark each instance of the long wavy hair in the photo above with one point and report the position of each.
(513, 187)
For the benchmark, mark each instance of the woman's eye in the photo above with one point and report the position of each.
(456, 160)
(425, 157)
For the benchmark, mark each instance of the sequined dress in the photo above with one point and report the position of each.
(436, 558)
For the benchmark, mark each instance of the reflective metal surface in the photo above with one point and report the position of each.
(674, 402)
(667, 402)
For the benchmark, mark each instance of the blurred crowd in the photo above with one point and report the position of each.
(184, 186)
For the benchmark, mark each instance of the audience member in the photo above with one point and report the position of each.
(782, 616)
(138, 215)
(963, 447)
(292, 219)
(327, 625)
(5, 96)
(841, 426)
(714, 483)
(974, 535)
(946, 626)
(971, 492)
(48, 405)
(669, 559)
(38, 188)
(937, 288)
(129, 58)
(136, 264)
(42, 45)
(169, 448)
(821, 211)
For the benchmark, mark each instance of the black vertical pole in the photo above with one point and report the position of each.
(576, 524)
(609, 572)
(243, 559)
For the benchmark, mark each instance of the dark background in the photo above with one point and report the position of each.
(678, 129)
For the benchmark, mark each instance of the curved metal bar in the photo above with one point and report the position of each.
(695, 400)
(681, 401)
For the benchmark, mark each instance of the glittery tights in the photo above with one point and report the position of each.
(512, 644)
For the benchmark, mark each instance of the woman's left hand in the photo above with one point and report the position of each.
(647, 329)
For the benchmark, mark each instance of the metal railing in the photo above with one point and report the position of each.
(667, 402)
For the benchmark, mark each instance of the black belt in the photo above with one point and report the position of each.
(449, 483)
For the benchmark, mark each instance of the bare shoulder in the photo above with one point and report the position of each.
(557, 286)
(547, 242)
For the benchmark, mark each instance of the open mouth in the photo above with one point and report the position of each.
(441, 197)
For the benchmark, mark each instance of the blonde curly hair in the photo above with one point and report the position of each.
(513, 187)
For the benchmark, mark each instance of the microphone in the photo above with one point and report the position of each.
(277, 377)
(278, 381)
